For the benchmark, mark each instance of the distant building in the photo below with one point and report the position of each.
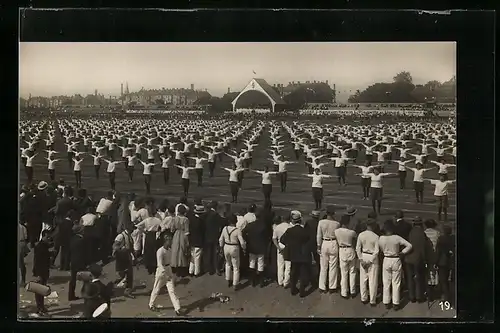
(175, 96)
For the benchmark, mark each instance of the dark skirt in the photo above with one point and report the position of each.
(234, 188)
(317, 193)
(376, 193)
(150, 248)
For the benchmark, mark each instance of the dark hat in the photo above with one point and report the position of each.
(315, 213)
(417, 220)
(399, 214)
(330, 210)
(351, 211)
(370, 222)
(95, 270)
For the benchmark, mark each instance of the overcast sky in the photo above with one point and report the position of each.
(48, 69)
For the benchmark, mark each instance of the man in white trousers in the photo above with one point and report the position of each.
(392, 268)
(164, 276)
(231, 240)
(346, 239)
(367, 249)
(328, 249)
(283, 265)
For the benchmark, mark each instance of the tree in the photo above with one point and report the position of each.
(403, 77)
(432, 85)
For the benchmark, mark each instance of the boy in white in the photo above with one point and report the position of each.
(164, 276)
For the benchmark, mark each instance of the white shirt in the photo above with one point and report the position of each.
(241, 223)
(52, 164)
(441, 188)
(279, 231)
(147, 168)
(232, 236)
(376, 180)
(151, 153)
(178, 155)
(162, 261)
(365, 170)
(443, 167)
(165, 162)
(401, 166)
(233, 174)
(88, 219)
(390, 245)
(131, 160)
(112, 166)
(418, 175)
(104, 206)
(339, 161)
(346, 237)
(367, 246)
(185, 172)
(97, 160)
(199, 163)
(29, 161)
(250, 217)
(78, 165)
(266, 177)
(317, 180)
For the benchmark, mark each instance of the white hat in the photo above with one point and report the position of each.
(42, 185)
(295, 216)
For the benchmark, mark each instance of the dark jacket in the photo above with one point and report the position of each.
(311, 226)
(420, 245)
(196, 230)
(42, 259)
(94, 294)
(255, 236)
(78, 249)
(64, 231)
(402, 228)
(445, 248)
(213, 227)
(296, 241)
(63, 206)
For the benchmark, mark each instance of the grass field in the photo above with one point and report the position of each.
(270, 301)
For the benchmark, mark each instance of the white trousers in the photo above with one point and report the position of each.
(161, 280)
(195, 261)
(284, 269)
(347, 271)
(232, 258)
(368, 276)
(256, 259)
(329, 265)
(391, 280)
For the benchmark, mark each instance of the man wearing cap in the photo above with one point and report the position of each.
(296, 241)
(78, 258)
(350, 212)
(346, 239)
(311, 226)
(283, 263)
(416, 262)
(390, 245)
(367, 249)
(329, 251)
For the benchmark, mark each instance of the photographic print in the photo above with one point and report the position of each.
(304, 179)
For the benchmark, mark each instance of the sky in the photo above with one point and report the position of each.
(47, 69)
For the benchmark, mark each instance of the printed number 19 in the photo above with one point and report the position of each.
(445, 305)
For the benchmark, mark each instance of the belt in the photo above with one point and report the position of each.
(367, 252)
(345, 246)
(329, 239)
(393, 257)
(231, 244)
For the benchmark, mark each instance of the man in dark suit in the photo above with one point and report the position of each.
(213, 228)
(416, 262)
(41, 267)
(296, 241)
(255, 236)
(445, 249)
(63, 206)
(311, 226)
(95, 293)
(79, 258)
(402, 228)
